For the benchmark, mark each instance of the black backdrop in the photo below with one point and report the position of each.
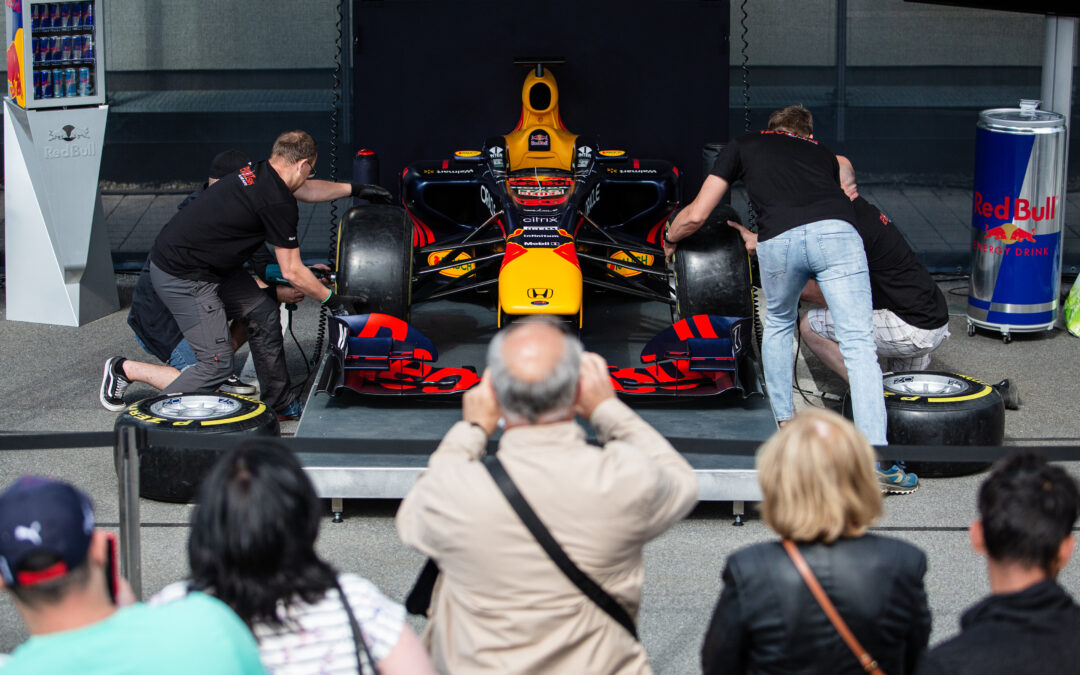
(646, 76)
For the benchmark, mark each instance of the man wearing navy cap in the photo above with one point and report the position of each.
(53, 561)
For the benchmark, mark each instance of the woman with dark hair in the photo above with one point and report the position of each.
(252, 546)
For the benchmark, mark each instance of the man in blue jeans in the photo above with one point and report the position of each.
(805, 232)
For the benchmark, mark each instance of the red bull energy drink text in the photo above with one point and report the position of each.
(1018, 209)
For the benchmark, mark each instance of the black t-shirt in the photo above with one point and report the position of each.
(217, 232)
(791, 180)
(898, 281)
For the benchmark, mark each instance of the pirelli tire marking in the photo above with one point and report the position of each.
(962, 387)
(144, 411)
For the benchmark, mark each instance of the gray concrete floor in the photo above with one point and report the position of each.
(50, 380)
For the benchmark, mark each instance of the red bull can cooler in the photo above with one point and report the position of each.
(1018, 212)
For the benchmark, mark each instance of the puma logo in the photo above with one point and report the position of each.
(31, 534)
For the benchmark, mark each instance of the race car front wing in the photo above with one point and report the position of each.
(377, 354)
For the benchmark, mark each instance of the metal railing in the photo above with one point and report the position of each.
(128, 441)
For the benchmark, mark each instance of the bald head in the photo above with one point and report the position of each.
(532, 351)
(534, 367)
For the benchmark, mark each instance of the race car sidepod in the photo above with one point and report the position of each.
(701, 355)
(383, 355)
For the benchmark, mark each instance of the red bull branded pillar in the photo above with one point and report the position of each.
(1017, 216)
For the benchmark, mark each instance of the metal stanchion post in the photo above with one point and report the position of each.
(127, 461)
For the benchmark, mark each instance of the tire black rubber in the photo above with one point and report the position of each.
(374, 260)
(972, 414)
(172, 473)
(712, 270)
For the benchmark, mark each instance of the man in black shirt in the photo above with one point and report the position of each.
(911, 317)
(155, 329)
(196, 267)
(1029, 623)
(805, 232)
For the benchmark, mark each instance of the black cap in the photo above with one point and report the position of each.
(228, 162)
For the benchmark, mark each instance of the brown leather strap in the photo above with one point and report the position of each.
(867, 662)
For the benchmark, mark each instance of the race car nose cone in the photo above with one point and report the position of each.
(540, 281)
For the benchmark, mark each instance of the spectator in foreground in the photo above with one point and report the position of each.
(820, 491)
(1029, 624)
(252, 545)
(54, 563)
(501, 605)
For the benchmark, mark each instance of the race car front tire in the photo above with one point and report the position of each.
(941, 408)
(374, 260)
(712, 270)
(172, 472)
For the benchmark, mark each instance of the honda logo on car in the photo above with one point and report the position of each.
(544, 293)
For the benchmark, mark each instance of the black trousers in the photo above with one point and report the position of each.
(203, 309)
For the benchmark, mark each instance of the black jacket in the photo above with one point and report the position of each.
(1034, 631)
(768, 622)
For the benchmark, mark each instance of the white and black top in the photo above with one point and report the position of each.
(317, 638)
(216, 233)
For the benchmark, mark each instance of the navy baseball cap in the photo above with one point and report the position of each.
(43, 515)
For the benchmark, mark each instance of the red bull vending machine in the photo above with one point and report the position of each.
(1018, 214)
(58, 266)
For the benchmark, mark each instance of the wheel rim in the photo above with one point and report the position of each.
(195, 407)
(924, 384)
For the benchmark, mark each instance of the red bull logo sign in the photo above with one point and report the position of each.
(1020, 210)
(998, 239)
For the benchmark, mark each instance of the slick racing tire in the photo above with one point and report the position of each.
(941, 408)
(712, 270)
(172, 472)
(374, 260)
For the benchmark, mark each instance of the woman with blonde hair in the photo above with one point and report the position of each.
(820, 490)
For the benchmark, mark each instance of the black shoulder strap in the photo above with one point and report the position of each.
(358, 635)
(590, 588)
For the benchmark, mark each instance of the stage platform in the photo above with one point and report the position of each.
(395, 435)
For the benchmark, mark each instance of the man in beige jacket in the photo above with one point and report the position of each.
(500, 604)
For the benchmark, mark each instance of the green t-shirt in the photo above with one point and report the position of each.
(196, 634)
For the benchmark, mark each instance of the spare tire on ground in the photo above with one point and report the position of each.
(171, 472)
(941, 408)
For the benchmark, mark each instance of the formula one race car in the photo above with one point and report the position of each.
(537, 215)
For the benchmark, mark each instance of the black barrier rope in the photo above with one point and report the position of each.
(399, 446)
(16, 440)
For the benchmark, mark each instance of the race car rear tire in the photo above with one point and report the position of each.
(374, 260)
(941, 408)
(712, 270)
(172, 472)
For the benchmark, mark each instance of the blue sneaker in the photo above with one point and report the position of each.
(896, 481)
(293, 411)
